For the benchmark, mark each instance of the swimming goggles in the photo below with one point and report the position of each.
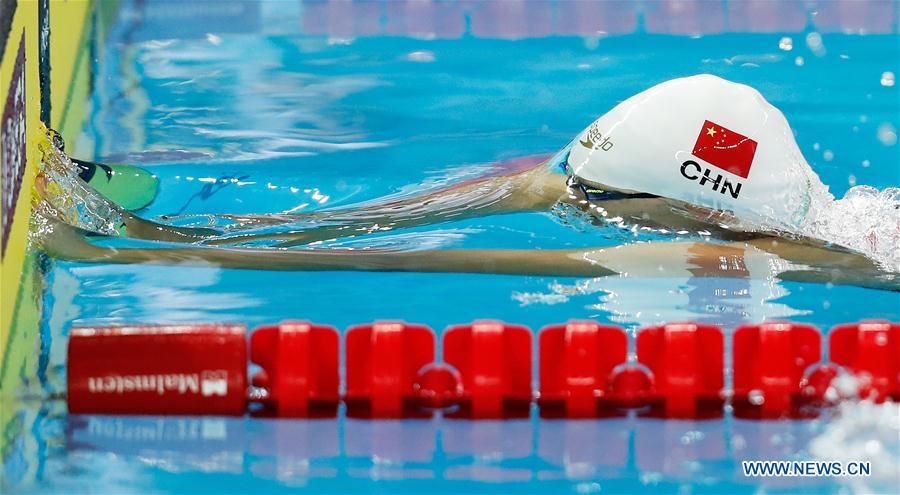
(591, 193)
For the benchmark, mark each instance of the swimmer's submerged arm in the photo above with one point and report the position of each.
(63, 241)
(659, 260)
(533, 189)
(140, 228)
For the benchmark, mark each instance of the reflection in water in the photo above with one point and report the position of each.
(751, 293)
(615, 453)
(176, 295)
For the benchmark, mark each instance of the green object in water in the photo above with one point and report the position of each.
(131, 187)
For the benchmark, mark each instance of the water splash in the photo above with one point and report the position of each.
(863, 431)
(865, 220)
(63, 195)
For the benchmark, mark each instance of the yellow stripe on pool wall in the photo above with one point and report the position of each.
(71, 34)
(74, 28)
(17, 180)
(70, 21)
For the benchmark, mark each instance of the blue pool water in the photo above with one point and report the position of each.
(313, 105)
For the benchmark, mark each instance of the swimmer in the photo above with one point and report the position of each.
(696, 154)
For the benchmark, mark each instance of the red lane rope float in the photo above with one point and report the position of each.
(383, 362)
(871, 351)
(485, 371)
(494, 364)
(300, 369)
(686, 361)
(576, 363)
(770, 362)
(170, 369)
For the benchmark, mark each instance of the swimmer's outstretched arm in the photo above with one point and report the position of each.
(537, 188)
(65, 242)
(658, 260)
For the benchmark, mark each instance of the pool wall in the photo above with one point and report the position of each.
(44, 79)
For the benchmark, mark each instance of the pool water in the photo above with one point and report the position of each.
(308, 105)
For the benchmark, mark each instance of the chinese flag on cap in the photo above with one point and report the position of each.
(725, 149)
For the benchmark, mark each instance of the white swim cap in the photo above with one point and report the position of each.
(705, 141)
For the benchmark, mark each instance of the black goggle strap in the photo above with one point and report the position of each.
(596, 194)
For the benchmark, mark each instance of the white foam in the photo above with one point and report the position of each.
(864, 431)
(865, 220)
